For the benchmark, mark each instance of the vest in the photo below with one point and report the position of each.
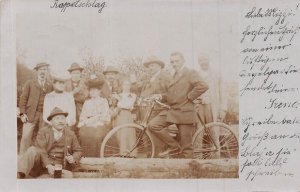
(40, 105)
(56, 153)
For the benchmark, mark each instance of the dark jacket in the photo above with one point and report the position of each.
(30, 97)
(45, 139)
(80, 94)
(182, 90)
(158, 86)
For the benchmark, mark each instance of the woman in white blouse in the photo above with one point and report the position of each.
(93, 120)
(126, 100)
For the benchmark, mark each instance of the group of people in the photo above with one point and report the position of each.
(73, 116)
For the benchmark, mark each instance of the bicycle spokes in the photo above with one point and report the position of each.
(120, 144)
(215, 141)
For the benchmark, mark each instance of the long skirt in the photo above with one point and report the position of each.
(91, 139)
(126, 137)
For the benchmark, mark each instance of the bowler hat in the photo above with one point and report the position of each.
(56, 111)
(110, 69)
(153, 59)
(39, 65)
(75, 66)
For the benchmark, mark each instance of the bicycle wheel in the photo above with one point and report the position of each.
(117, 143)
(217, 142)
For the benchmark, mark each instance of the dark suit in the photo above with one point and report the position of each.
(80, 95)
(157, 86)
(182, 90)
(32, 96)
(37, 156)
(148, 88)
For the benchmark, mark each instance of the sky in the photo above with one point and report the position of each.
(128, 29)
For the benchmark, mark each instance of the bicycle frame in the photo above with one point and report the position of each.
(208, 135)
(144, 125)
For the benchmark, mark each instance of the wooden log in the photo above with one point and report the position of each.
(156, 168)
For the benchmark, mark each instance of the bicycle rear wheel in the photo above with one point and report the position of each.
(129, 141)
(217, 142)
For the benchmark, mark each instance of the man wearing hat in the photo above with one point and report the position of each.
(155, 85)
(77, 87)
(62, 99)
(55, 145)
(32, 103)
(111, 85)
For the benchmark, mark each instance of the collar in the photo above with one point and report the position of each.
(41, 80)
(96, 98)
(205, 73)
(155, 76)
(179, 71)
(181, 68)
(56, 131)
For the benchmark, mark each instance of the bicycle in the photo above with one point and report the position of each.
(204, 145)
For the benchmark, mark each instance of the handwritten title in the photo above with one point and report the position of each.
(63, 6)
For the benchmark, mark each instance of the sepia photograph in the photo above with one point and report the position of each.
(137, 89)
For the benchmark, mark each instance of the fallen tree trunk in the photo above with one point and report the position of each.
(156, 168)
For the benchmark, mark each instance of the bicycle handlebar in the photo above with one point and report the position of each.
(156, 100)
(162, 104)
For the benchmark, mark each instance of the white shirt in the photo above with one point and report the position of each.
(41, 81)
(95, 112)
(64, 101)
(207, 77)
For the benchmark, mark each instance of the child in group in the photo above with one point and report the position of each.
(126, 99)
(93, 120)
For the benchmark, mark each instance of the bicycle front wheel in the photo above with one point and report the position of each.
(215, 141)
(129, 141)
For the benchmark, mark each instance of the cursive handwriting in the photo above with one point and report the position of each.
(262, 60)
(269, 124)
(279, 14)
(79, 4)
(282, 31)
(267, 87)
(249, 122)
